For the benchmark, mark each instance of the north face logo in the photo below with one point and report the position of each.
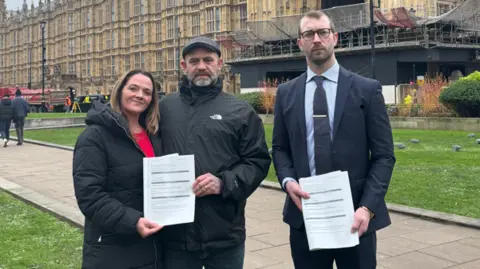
(216, 117)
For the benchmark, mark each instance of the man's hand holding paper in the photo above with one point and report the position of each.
(361, 221)
(296, 193)
(207, 184)
(329, 217)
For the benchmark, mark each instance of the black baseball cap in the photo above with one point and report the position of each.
(201, 42)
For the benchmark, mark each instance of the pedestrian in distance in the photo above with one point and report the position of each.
(20, 112)
(6, 117)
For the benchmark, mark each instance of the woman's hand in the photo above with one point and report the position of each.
(146, 227)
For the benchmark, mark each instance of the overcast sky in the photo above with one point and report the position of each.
(17, 4)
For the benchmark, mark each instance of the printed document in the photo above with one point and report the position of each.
(167, 186)
(329, 213)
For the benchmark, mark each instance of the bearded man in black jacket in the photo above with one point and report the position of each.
(231, 159)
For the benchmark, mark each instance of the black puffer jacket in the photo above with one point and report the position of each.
(228, 140)
(6, 109)
(108, 182)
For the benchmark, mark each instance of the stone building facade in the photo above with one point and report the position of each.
(91, 43)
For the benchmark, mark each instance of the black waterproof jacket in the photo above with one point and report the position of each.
(6, 109)
(108, 182)
(228, 140)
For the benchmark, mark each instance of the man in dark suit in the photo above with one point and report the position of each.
(326, 120)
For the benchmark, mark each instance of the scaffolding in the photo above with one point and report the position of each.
(395, 28)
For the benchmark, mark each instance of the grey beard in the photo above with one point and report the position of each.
(204, 82)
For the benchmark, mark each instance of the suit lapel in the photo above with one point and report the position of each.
(343, 88)
(300, 98)
(299, 104)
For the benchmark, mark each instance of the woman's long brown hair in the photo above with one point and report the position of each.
(151, 115)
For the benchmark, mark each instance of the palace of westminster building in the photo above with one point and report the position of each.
(91, 43)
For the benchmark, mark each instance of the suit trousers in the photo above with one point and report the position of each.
(19, 125)
(362, 256)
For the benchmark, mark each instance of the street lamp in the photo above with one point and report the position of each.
(372, 38)
(42, 25)
(177, 52)
(30, 65)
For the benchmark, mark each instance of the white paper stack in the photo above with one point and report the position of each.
(167, 187)
(329, 214)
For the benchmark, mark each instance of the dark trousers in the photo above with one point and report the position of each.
(362, 256)
(231, 258)
(5, 129)
(19, 124)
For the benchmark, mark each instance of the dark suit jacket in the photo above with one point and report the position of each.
(362, 142)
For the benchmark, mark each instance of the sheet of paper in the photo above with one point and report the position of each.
(329, 213)
(167, 184)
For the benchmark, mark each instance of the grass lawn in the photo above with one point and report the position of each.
(52, 115)
(30, 238)
(427, 175)
(64, 136)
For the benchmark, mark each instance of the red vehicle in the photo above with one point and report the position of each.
(54, 99)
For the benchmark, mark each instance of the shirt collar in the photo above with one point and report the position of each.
(331, 73)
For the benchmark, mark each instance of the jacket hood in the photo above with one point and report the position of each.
(103, 115)
(6, 101)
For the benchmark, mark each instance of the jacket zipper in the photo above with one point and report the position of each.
(131, 138)
(102, 236)
(136, 145)
(156, 253)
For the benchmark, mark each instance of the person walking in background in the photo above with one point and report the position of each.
(108, 176)
(6, 116)
(20, 112)
(329, 119)
(231, 160)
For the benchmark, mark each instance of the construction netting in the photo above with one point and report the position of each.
(267, 31)
(239, 39)
(353, 17)
(466, 16)
(288, 24)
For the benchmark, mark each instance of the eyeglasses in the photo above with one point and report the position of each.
(322, 33)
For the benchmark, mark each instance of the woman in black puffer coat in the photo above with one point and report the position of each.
(108, 177)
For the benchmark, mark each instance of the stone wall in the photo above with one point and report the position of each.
(425, 123)
(52, 123)
(430, 123)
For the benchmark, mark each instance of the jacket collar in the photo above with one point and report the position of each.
(195, 95)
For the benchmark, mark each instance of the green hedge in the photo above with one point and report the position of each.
(473, 76)
(463, 96)
(254, 99)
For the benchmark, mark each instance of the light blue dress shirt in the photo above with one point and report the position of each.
(330, 85)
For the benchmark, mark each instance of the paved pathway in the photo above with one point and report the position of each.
(409, 243)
